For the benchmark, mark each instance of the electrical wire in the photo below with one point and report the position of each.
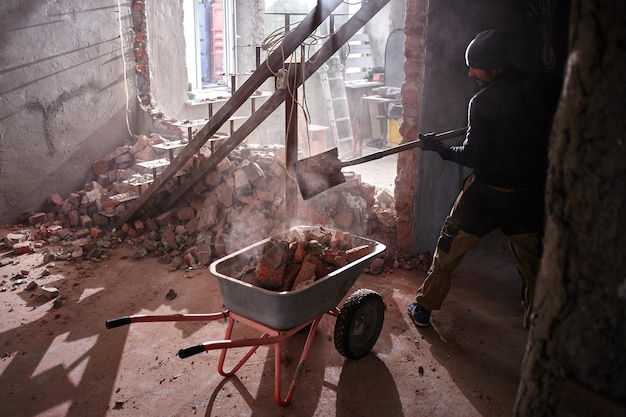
(272, 42)
(122, 45)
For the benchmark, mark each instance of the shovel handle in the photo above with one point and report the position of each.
(403, 147)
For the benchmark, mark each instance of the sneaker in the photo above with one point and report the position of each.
(419, 315)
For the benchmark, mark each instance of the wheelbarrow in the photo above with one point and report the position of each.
(280, 315)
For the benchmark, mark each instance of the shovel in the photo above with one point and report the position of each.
(321, 172)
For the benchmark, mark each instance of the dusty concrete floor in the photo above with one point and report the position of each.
(64, 362)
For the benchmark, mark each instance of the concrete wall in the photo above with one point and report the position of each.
(62, 96)
(166, 52)
(388, 19)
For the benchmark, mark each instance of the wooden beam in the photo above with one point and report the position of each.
(291, 133)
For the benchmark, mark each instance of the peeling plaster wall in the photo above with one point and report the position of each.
(166, 51)
(62, 96)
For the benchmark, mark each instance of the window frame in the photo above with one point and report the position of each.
(192, 22)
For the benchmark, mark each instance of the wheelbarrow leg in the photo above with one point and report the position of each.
(277, 366)
(220, 366)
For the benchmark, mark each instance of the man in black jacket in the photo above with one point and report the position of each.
(509, 122)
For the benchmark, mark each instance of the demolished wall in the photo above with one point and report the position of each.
(240, 202)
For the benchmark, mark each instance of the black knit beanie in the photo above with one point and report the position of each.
(488, 51)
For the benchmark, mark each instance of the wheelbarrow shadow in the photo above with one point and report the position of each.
(366, 388)
(236, 391)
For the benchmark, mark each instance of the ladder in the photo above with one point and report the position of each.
(336, 106)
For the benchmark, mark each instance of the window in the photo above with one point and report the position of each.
(209, 38)
(213, 41)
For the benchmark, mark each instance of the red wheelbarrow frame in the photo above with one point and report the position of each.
(270, 336)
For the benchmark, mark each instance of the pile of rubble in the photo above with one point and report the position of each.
(240, 202)
(290, 265)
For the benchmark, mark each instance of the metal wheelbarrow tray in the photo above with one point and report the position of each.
(286, 309)
(280, 315)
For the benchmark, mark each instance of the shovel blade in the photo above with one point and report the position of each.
(318, 173)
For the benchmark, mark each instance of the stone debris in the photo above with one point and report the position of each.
(46, 293)
(290, 265)
(239, 203)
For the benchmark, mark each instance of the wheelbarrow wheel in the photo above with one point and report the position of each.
(359, 323)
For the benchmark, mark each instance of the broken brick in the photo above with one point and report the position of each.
(55, 199)
(358, 252)
(290, 276)
(306, 276)
(100, 167)
(72, 216)
(22, 248)
(271, 265)
(139, 226)
(85, 221)
(185, 213)
(38, 218)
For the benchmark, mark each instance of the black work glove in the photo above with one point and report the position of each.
(431, 143)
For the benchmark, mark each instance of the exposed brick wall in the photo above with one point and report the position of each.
(140, 51)
(415, 26)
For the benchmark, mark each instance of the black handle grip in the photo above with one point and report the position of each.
(122, 321)
(194, 350)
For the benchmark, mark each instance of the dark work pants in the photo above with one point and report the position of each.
(478, 210)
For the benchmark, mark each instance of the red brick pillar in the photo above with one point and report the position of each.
(415, 25)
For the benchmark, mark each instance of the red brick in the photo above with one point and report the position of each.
(306, 276)
(37, 218)
(185, 213)
(224, 194)
(139, 226)
(290, 275)
(55, 199)
(85, 221)
(73, 218)
(101, 166)
(164, 219)
(264, 195)
(106, 204)
(22, 248)
(126, 228)
(358, 252)
(320, 269)
(335, 257)
(271, 265)
(300, 252)
(123, 159)
(152, 225)
(82, 242)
